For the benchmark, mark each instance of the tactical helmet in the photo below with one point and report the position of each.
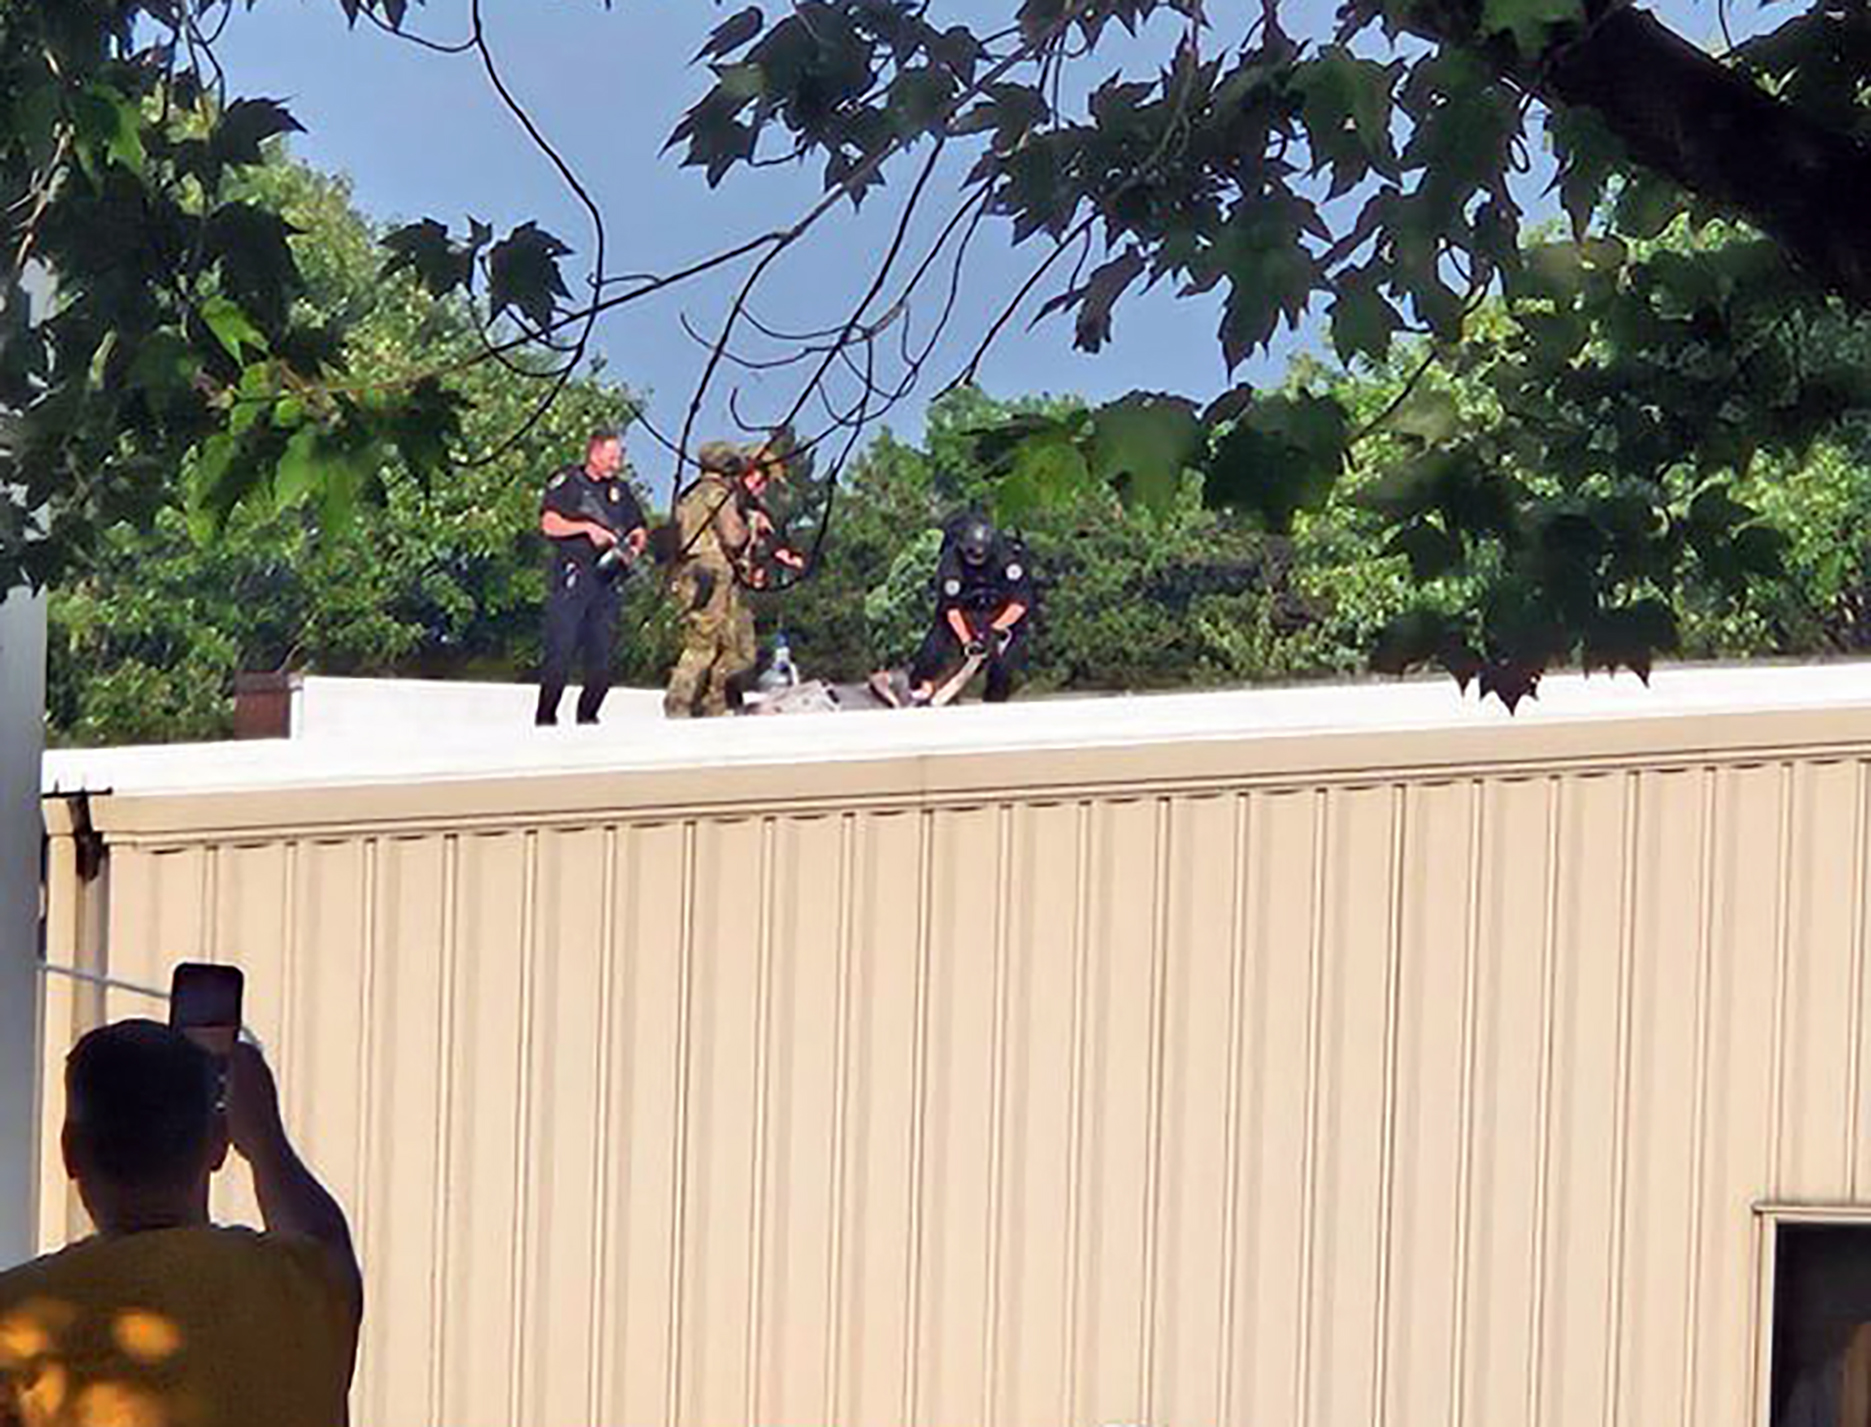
(976, 541)
(722, 457)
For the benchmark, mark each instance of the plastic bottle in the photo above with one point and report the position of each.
(783, 662)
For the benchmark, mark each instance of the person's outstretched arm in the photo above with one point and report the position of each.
(292, 1201)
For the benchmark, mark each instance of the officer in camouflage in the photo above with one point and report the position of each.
(720, 528)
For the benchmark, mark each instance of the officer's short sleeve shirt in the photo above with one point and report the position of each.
(1015, 575)
(562, 494)
(571, 494)
(1003, 579)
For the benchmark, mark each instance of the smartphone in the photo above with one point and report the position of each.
(204, 1004)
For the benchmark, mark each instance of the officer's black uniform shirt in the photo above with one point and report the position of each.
(988, 587)
(574, 495)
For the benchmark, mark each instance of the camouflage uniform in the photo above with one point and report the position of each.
(717, 627)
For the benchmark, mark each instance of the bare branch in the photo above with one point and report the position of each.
(1038, 275)
(460, 47)
(576, 355)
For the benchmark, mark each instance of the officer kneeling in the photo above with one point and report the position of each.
(984, 595)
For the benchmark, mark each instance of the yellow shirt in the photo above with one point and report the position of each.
(177, 1328)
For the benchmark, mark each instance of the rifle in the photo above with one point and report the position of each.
(764, 543)
(893, 688)
(618, 562)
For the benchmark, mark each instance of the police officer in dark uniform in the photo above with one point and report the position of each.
(984, 595)
(594, 528)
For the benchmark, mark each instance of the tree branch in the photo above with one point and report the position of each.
(1709, 128)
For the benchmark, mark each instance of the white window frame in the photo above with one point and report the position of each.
(1769, 1217)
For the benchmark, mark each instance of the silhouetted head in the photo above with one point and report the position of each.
(143, 1130)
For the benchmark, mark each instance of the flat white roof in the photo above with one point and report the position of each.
(422, 748)
(354, 709)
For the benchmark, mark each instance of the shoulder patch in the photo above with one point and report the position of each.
(556, 481)
(1015, 570)
(951, 587)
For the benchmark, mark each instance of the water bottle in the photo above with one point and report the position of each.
(779, 675)
(784, 674)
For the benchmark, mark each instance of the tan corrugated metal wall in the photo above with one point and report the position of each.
(1406, 1080)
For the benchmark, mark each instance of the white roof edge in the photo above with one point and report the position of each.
(421, 752)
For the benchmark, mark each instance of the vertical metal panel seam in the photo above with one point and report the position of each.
(1543, 1131)
(1387, 1129)
(132, 903)
(757, 1169)
(444, 1121)
(997, 1118)
(288, 1063)
(79, 945)
(368, 913)
(1621, 1104)
(919, 1114)
(1783, 916)
(1699, 1108)
(841, 1093)
(208, 914)
(1075, 1130)
(97, 941)
(1309, 1148)
(123, 914)
(678, 1165)
(1153, 1135)
(1231, 1147)
(1764, 1240)
(1854, 1043)
(1479, 790)
(598, 1307)
(523, 1278)
(63, 928)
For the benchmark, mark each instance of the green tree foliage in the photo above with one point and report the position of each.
(180, 354)
(1458, 498)
(1366, 170)
(1822, 507)
(1172, 596)
(1612, 461)
(1272, 161)
(439, 576)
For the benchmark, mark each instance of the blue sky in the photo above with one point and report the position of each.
(422, 134)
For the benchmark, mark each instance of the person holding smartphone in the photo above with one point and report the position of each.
(162, 1316)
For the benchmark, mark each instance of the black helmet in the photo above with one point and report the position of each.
(976, 540)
